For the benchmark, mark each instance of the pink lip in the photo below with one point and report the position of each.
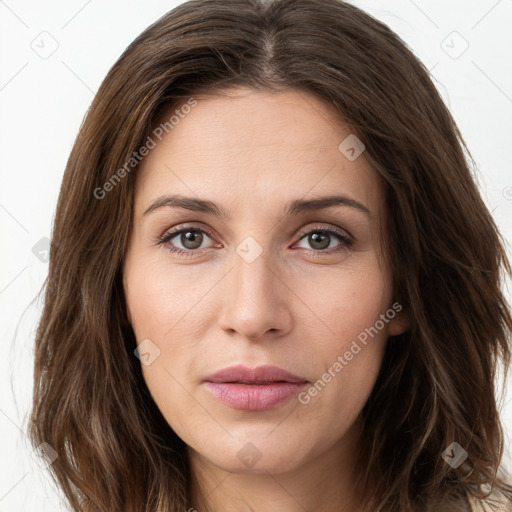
(254, 389)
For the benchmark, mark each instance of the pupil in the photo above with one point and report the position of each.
(191, 239)
(318, 240)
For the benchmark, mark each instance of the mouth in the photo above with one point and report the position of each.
(259, 375)
(254, 389)
(255, 383)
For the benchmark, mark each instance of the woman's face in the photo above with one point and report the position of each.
(259, 280)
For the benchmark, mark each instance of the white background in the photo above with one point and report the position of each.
(43, 102)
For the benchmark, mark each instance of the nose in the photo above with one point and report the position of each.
(257, 299)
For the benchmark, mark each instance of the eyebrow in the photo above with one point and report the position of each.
(294, 207)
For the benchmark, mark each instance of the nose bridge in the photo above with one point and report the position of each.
(252, 270)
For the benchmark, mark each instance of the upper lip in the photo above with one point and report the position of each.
(260, 374)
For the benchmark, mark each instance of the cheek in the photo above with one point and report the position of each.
(349, 302)
(347, 371)
(358, 314)
(161, 300)
(163, 307)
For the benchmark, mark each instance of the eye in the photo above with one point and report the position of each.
(190, 238)
(321, 239)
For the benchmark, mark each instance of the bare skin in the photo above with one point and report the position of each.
(299, 305)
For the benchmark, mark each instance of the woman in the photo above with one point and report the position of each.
(273, 283)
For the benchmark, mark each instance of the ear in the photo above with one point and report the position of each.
(401, 322)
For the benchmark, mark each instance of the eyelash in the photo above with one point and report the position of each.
(345, 241)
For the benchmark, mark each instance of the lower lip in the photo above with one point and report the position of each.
(254, 397)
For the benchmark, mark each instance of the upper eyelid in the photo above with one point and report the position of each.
(176, 231)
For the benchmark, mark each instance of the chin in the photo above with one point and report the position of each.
(260, 455)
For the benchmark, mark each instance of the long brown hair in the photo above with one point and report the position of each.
(116, 452)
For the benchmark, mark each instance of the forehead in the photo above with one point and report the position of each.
(256, 146)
